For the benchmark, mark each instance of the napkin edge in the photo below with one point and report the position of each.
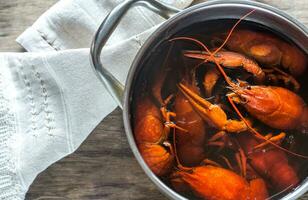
(33, 41)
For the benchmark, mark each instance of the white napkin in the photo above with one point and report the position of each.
(71, 24)
(51, 100)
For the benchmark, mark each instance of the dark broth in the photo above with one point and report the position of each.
(176, 62)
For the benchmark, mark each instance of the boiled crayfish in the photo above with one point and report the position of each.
(203, 181)
(190, 144)
(276, 107)
(215, 183)
(231, 60)
(268, 50)
(151, 137)
(271, 163)
(152, 126)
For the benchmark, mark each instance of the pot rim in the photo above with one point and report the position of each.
(170, 193)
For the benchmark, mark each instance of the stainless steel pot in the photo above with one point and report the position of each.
(178, 20)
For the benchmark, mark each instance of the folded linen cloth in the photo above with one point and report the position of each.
(71, 24)
(51, 100)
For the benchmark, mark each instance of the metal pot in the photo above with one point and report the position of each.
(212, 10)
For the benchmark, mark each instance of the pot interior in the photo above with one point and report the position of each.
(162, 56)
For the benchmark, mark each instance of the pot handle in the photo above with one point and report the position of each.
(115, 88)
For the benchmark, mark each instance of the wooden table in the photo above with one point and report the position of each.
(104, 166)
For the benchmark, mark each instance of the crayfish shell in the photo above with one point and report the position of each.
(190, 144)
(151, 135)
(212, 183)
(149, 130)
(159, 160)
(276, 107)
(268, 50)
(258, 189)
(270, 163)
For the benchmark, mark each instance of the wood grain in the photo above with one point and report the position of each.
(103, 167)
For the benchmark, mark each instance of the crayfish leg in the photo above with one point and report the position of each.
(270, 138)
(209, 81)
(217, 136)
(210, 162)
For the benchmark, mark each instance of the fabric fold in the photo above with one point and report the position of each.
(71, 24)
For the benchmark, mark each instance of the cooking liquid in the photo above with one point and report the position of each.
(174, 64)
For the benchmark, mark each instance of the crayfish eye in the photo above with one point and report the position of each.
(248, 87)
(244, 100)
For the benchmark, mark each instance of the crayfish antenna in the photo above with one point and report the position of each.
(227, 162)
(244, 162)
(260, 136)
(232, 29)
(159, 79)
(179, 164)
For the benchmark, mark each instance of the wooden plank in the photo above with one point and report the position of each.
(15, 17)
(104, 166)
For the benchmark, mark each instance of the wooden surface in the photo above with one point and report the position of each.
(103, 167)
